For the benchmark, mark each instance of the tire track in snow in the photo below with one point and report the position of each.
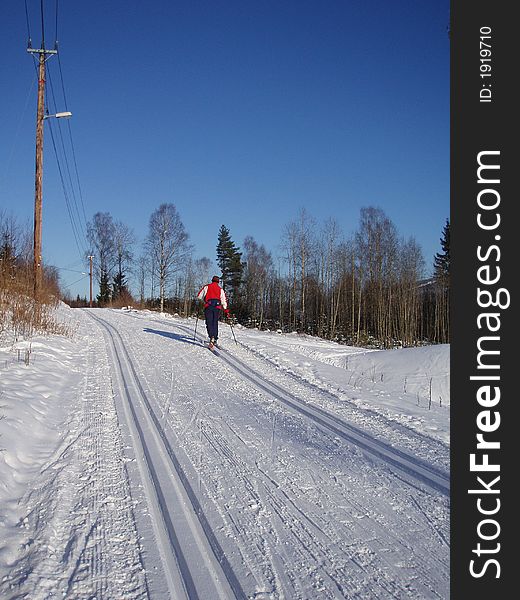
(400, 429)
(195, 564)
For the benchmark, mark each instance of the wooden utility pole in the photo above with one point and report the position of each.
(38, 267)
(90, 259)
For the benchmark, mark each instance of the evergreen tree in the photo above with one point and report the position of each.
(100, 235)
(230, 264)
(441, 266)
(105, 289)
(119, 286)
(441, 261)
(123, 241)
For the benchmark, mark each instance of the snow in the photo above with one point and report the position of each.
(136, 464)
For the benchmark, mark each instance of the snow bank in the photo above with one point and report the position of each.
(409, 385)
(39, 382)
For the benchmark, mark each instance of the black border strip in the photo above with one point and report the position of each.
(479, 125)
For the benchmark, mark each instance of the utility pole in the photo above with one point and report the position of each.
(38, 267)
(90, 259)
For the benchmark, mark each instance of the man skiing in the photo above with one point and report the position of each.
(215, 300)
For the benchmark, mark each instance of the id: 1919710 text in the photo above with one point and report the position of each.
(485, 64)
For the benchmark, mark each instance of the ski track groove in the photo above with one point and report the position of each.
(257, 562)
(203, 536)
(377, 582)
(330, 392)
(391, 589)
(418, 469)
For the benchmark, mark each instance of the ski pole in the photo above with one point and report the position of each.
(233, 332)
(195, 334)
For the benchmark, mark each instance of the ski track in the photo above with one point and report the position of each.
(410, 465)
(299, 511)
(430, 450)
(368, 390)
(194, 564)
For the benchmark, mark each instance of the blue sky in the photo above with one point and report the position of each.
(238, 112)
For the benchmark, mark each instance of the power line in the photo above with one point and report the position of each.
(28, 27)
(56, 26)
(75, 204)
(74, 264)
(43, 24)
(62, 161)
(77, 217)
(80, 192)
(17, 133)
(71, 140)
(70, 270)
(74, 282)
(64, 187)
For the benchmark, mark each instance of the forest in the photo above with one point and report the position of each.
(369, 289)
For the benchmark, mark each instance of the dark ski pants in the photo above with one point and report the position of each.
(212, 314)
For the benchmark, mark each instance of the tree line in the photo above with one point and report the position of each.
(369, 289)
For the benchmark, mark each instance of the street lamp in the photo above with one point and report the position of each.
(60, 115)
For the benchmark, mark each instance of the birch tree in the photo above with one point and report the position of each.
(299, 245)
(168, 245)
(100, 235)
(377, 243)
(258, 273)
(124, 240)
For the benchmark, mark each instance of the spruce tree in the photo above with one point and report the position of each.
(230, 264)
(119, 285)
(441, 266)
(105, 289)
(441, 261)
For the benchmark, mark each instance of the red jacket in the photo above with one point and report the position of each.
(213, 291)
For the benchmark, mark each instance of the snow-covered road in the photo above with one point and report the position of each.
(208, 475)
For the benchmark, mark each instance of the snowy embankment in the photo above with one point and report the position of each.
(410, 385)
(39, 390)
(63, 489)
(305, 469)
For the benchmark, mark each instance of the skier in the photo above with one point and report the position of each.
(215, 300)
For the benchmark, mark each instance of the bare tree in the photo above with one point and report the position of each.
(10, 249)
(168, 245)
(408, 295)
(100, 235)
(203, 268)
(376, 242)
(258, 272)
(141, 271)
(188, 284)
(326, 263)
(124, 240)
(298, 243)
